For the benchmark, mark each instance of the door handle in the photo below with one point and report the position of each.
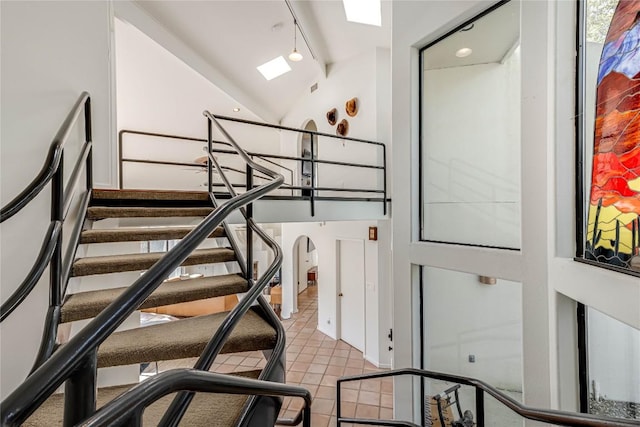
(340, 294)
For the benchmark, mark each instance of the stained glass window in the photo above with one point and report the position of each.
(613, 221)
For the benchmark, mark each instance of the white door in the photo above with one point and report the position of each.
(351, 292)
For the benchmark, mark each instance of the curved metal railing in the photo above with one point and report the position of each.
(550, 416)
(130, 405)
(77, 358)
(179, 405)
(54, 160)
(61, 196)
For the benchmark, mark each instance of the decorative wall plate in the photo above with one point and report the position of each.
(343, 128)
(351, 107)
(332, 116)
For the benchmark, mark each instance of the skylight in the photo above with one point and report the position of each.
(363, 11)
(274, 68)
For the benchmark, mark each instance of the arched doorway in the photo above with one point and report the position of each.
(305, 271)
(304, 150)
(305, 264)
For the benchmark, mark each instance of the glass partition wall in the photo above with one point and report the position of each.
(470, 132)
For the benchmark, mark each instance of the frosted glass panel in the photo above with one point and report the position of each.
(473, 329)
(471, 133)
(614, 367)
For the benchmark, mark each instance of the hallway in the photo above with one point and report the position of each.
(316, 361)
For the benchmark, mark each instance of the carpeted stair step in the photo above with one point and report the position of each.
(142, 261)
(140, 234)
(206, 409)
(85, 305)
(96, 213)
(184, 338)
(115, 194)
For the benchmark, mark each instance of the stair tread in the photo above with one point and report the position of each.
(140, 234)
(113, 194)
(184, 338)
(104, 212)
(206, 409)
(85, 305)
(143, 261)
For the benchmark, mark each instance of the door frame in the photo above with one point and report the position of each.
(339, 290)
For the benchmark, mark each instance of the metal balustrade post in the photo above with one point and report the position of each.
(338, 404)
(313, 175)
(57, 213)
(306, 417)
(249, 210)
(88, 137)
(80, 391)
(209, 151)
(384, 179)
(479, 407)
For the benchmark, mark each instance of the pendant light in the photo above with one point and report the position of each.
(295, 56)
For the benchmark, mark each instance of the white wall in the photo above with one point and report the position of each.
(325, 237)
(547, 132)
(157, 92)
(51, 52)
(472, 171)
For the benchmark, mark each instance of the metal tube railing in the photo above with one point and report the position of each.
(550, 416)
(313, 191)
(179, 405)
(119, 411)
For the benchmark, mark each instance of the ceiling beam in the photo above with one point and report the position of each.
(310, 32)
(132, 13)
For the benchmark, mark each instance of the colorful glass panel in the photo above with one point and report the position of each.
(613, 227)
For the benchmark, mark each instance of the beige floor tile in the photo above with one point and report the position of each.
(316, 361)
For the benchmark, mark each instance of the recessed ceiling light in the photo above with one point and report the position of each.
(274, 68)
(363, 11)
(235, 110)
(464, 52)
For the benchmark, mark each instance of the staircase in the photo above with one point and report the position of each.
(183, 338)
(189, 397)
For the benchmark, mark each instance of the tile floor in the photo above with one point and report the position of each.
(315, 361)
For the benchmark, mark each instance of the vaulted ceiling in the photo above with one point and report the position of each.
(234, 37)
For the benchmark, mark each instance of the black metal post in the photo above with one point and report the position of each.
(384, 179)
(313, 176)
(249, 210)
(306, 417)
(338, 404)
(422, 345)
(583, 358)
(209, 151)
(479, 407)
(57, 213)
(80, 391)
(88, 137)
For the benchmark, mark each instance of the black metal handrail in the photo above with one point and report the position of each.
(131, 403)
(179, 405)
(312, 191)
(61, 197)
(550, 416)
(40, 264)
(54, 158)
(73, 359)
